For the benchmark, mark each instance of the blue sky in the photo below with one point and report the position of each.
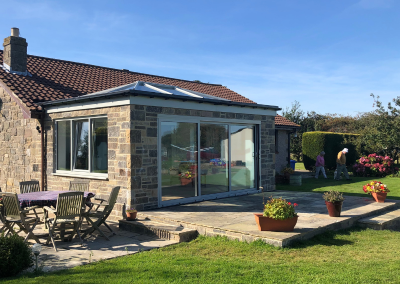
(328, 55)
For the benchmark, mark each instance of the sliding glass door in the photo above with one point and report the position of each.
(201, 160)
(178, 160)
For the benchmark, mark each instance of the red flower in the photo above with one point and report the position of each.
(289, 203)
(295, 204)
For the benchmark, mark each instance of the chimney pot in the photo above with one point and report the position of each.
(15, 32)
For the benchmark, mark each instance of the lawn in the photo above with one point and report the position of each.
(350, 256)
(353, 187)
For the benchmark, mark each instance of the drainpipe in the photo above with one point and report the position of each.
(42, 146)
(288, 145)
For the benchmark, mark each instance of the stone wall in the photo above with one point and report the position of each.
(20, 153)
(282, 151)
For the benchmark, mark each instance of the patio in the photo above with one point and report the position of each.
(233, 217)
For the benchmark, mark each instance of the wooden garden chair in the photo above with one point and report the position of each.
(79, 186)
(29, 186)
(101, 216)
(68, 211)
(13, 215)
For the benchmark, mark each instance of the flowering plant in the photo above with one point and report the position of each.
(333, 196)
(131, 210)
(375, 186)
(279, 209)
(374, 165)
(288, 170)
(187, 174)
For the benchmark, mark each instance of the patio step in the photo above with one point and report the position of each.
(387, 221)
(162, 230)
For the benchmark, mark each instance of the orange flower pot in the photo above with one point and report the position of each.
(186, 181)
(379, 196)
(131, 216)
(334, 208)
(269, 224)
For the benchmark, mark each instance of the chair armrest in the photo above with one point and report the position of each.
(31, 208)
(47, 208)
(99, 204)
(102, 200)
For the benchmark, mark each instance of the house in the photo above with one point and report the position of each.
(165, 141)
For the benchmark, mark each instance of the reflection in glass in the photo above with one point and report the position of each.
(81, 145)
(178, 160)
(99, 145)
(64, 145)
(214, 167)
(242, 155)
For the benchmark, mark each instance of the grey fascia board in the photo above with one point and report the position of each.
(151, 95)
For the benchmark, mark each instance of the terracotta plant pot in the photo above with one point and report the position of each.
(286, 176)
(334, 208)
(131, 216)
(269, 224)
(379, 196)
(186, 181)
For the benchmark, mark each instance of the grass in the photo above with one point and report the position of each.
(350, 256)
(299, 166)
(353, 187)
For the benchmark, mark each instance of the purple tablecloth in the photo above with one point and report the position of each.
(44, 198)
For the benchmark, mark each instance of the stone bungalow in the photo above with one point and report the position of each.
(164, 141)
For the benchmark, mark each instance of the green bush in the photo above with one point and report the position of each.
(15, 255)
(331, 144)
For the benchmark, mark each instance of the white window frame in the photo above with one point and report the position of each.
(211, 120)
(77, 172)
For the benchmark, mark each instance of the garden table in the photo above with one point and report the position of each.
(44, 198)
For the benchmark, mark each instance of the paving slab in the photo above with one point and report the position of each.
(233, 216)
(94, 248)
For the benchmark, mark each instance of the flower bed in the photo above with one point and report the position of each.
(374, 165)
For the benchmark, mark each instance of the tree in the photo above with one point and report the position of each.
(296, 115)
(381, 132)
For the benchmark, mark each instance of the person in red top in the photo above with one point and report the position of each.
(320, 164)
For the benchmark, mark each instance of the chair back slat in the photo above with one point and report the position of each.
(112, 199)
(79, 186)
(69, 205)
(11, 204)
(29, 186)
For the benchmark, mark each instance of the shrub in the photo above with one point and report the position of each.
(374, 165)
(331, 144)
(279, 209)
(15, 255)
(333, 196)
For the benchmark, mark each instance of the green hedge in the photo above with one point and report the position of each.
(331, 143)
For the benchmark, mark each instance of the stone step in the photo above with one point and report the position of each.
(162, 230)
(387, 221)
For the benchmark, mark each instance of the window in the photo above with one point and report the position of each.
(81, 145)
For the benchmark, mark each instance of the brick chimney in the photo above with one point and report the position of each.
(15, 53)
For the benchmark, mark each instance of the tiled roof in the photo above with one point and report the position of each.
(54, 79)
(283, 121)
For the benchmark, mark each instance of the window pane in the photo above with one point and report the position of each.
(178, 160)
(214, 158)
(81, 144)
(64, 145)
(99, 145)
(242, 155)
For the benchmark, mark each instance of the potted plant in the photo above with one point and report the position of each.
(287, 171)
(186, 177)
(279, 216)
(334, 201)
(131, 214)
(377, 189)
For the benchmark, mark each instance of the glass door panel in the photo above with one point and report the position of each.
(242, 156)
(214, 159)
(178, 160)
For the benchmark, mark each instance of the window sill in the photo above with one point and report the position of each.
(82, 175)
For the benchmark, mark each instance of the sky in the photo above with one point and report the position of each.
(328, 55)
